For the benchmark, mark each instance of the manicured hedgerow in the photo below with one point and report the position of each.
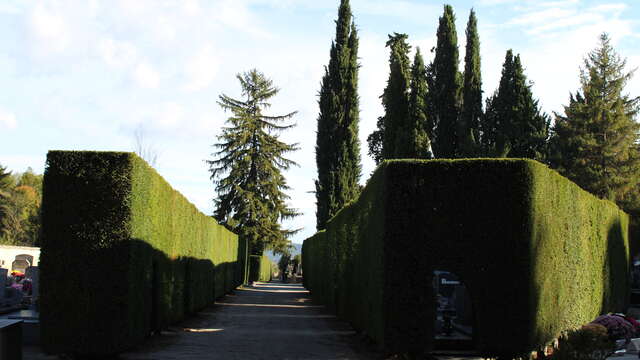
(537, 254)
(260, 268)
(123, 254)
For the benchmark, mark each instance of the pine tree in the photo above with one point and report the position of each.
(337, 143)
(247, 168)
(597, 139)
(6, 187)
(415, 143)
(469, 129)
(513, 125)
(446, 88)
(6, 181)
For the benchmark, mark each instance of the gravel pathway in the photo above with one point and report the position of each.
(266, 321)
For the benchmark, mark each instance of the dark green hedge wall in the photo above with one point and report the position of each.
(537, 254)
(123, 254)
(260, 268)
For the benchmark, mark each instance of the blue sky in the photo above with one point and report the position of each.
(85, 74)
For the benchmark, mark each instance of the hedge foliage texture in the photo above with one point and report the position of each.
(537, 254)
(123, 254)
(260, 268)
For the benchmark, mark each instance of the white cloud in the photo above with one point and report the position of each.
(19, 162)
(7, 120)
(191, 7)
(201, 69)
(11, 7)
(609, 7)
(400, 8)
(548, 14)
(171, 115)
(237, 15)
(117, 54)
(554, 49)
(49, 30)
(496, 2)
(145, 76)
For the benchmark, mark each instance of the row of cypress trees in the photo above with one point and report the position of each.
(449, 104)
(436, 111)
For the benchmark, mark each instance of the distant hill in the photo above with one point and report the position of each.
(297, 249)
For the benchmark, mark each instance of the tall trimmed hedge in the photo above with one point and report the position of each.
(260, 268)
(123, 254)
(537, 254)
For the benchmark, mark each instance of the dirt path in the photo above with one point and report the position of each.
(266, 321)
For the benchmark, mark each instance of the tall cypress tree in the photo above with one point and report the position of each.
(597, 138)
(446, 88)
(337, 143)
(514, 125)
(415, 143)
(395, 98)
(469, 129)
(383, 142)
(247, 168)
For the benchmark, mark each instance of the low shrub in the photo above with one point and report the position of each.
(617, 326)
(590, 342)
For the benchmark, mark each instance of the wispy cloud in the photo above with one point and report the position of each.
(49, 30)
(564, 31)
(201, 69)
(146, 76)
(117, 54)
(7, 120)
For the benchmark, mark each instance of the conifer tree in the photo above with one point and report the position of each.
(337, 143)
(513, 125)
(247, 168)
(395, 98)
(446, 88)
(6, 185)
(384, 140)
(469, 125)
(596, 140)
(415, 142)
(6, 181)
(375, 141)
(402, 131)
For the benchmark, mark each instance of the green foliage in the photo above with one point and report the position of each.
(284, 261)
(402, 132)
(247, 168)
(596, 142)
(337, 144)
(514, 125)
(469, 124)
(551, 257)
(123, 254)
(395, 98)
(20, 198)
(6, 181)
(590, 342)
(415, 143)
(447, 85)
(260, 268)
